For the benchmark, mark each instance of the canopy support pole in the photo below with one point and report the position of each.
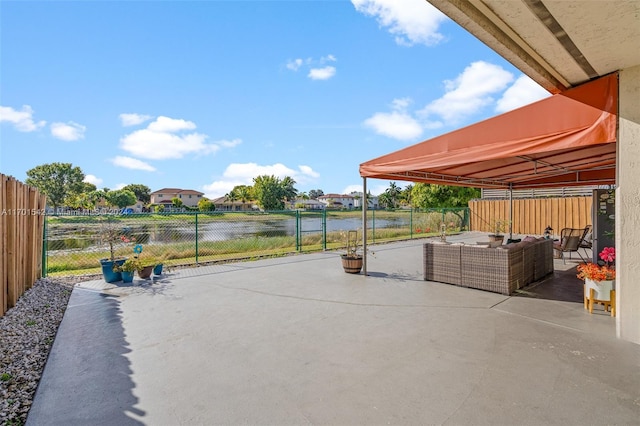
(365, 203)
(510, 211)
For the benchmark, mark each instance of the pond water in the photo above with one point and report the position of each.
(80, 236)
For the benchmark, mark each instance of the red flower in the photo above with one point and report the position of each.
(608, 254)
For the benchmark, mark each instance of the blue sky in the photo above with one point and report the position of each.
(206, 95)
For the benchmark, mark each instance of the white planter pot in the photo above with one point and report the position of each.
(602, 289)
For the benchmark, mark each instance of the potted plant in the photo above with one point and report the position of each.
(157, 269)
(499, 226)
(599, 279)
(112, 234)
(127, 269)
(145, 264)
(146, 267)
(352, 259)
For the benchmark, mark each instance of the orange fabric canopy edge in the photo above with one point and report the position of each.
(567, 139)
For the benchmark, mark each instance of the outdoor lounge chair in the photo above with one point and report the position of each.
(587, 241)
(570, 239)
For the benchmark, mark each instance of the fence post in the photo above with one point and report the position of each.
(44, 248)
(196, 238)
(467, 218)
(411, 223)
(324, 230)
(373, 226)
(298, 236)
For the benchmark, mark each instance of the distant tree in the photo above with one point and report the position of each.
(405, 195)
(120, 198)
(289, 191)
(303, 195)
(315, 193)
(84, 200)
(437, 196)
(177, 202)
(241, 192)
(75, 201)
(88, 187)
(143, 192)
(57, 181)
(206, 205)
(269, 192)
(385, 200)
(393, 192)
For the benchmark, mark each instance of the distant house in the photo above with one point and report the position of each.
(308, 204)
(223, 204)
(138, 207)
(337, 201)
(348, 201)
(372, 201)
(189, 197)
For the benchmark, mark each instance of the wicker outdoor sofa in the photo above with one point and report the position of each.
(500, 270)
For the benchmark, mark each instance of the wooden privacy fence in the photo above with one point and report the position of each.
(532, 216)
(22, 210)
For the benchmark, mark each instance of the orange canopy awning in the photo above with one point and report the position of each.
(565, 140)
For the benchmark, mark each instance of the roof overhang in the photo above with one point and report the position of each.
(558, 43)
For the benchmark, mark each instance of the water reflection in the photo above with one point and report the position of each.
(159, 232)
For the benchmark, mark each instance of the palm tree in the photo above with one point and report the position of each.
(289, 191)
(393, 192)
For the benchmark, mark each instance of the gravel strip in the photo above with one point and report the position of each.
(27, 332)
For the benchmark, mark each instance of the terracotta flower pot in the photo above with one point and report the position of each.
(145, 272)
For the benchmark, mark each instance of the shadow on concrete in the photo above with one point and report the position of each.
(93, 383)
(563, 286)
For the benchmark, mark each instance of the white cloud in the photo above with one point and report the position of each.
(295, 64)
(316, 69)
(322, 73)
(68, 131)
(21, 120)
(161, 146)
(133, 119)
(397, 124)
(229, 144)
(471, 91)
(166, 124)
(243, 174)
(308, 171)
(523, 92)
(352, 188)
(161, 140)
(93, 179)
(410, 21)
(132, 163)
(468, 93)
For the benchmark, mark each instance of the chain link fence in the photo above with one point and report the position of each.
(75, 243)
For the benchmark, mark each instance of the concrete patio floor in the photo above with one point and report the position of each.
(295, 340)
